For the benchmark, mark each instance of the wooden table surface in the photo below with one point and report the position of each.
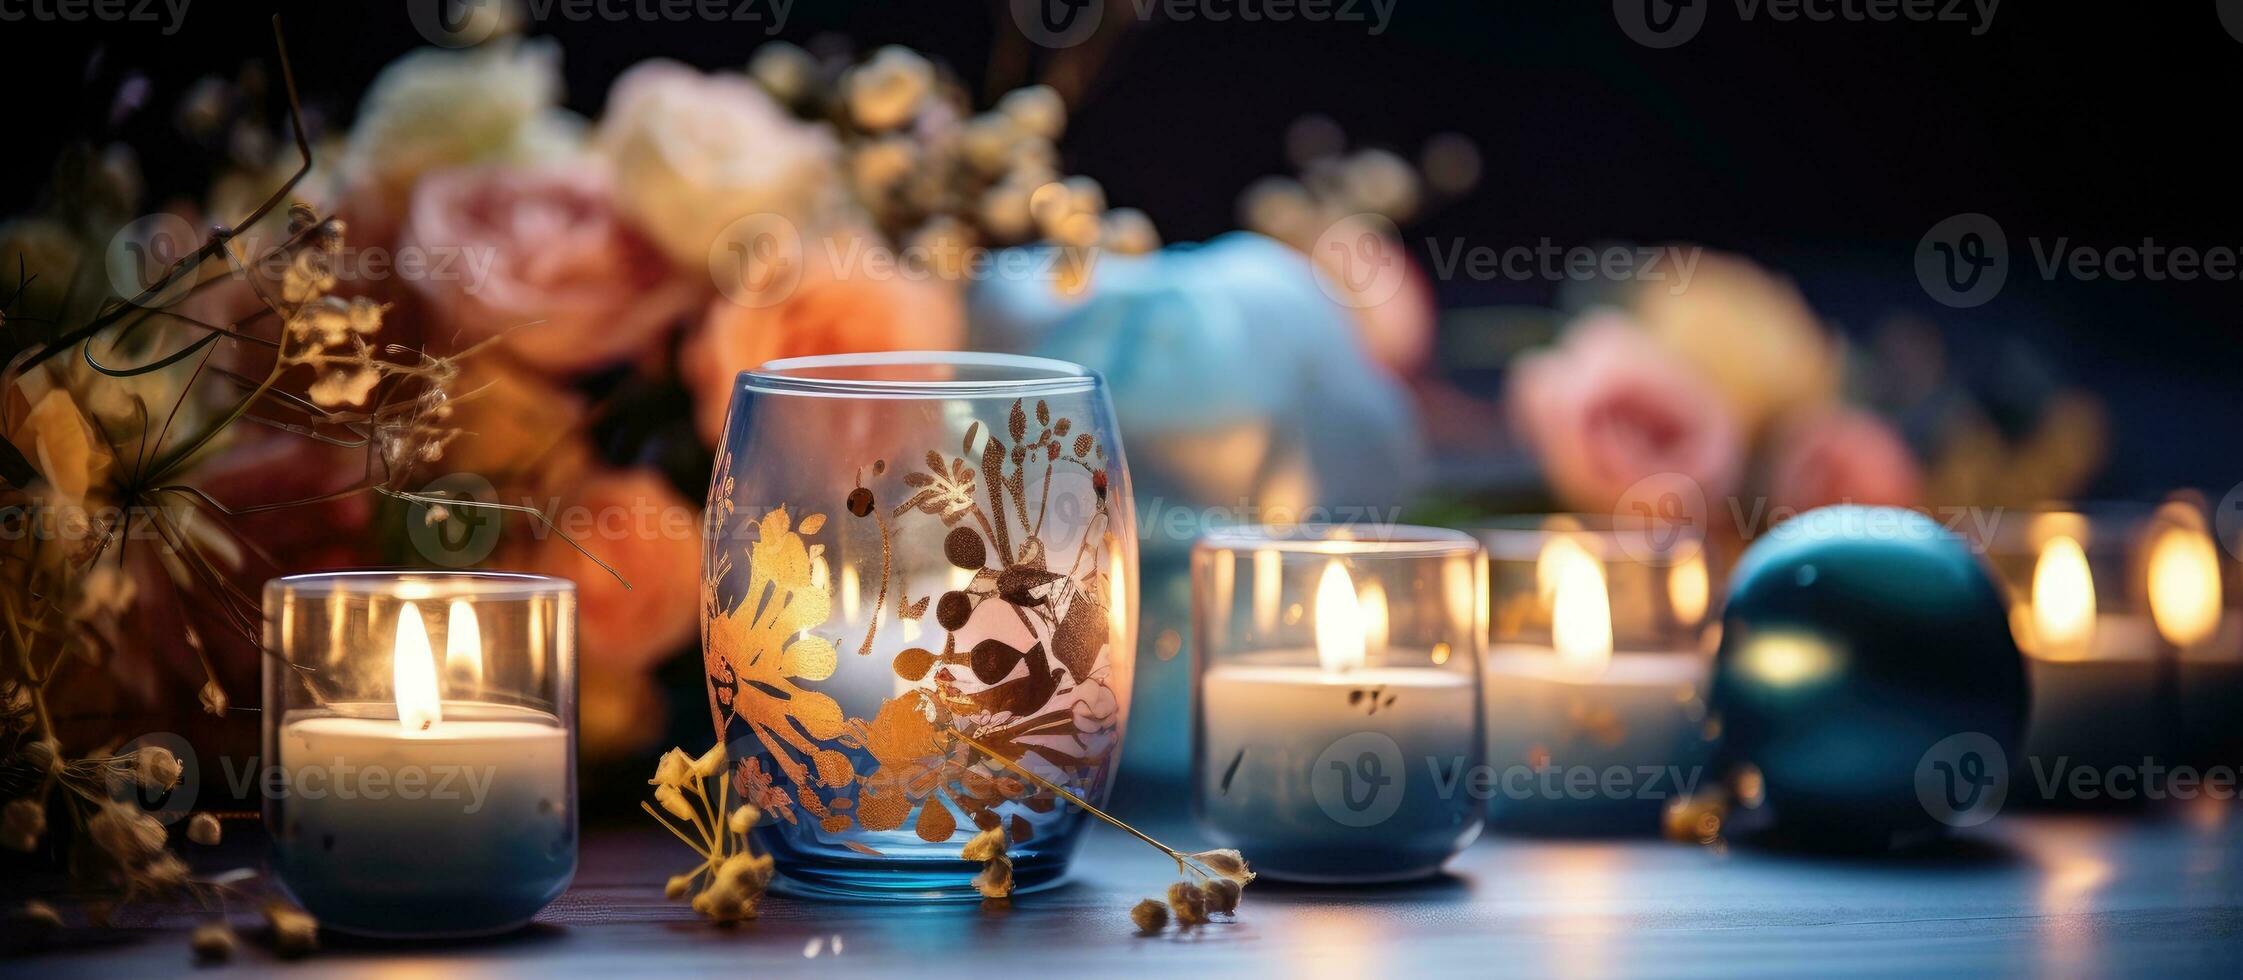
(2149, 895)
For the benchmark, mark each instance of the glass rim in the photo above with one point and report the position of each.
(1521, 537)
(434, 583)
(2098, 525)
(1016, 375)
(1386, 540)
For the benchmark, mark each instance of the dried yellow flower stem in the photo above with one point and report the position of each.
(1183, 861)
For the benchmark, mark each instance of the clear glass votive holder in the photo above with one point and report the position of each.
(919, 615)
(1599, 657)
(420, 747)
(1336, 709)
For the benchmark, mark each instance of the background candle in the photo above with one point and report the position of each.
(1350, 758)
(2193, 594)
(417, 793)
(1585, 737)
(2094, 660)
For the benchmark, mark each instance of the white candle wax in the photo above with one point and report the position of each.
(1338, 774)
(400, 827)
(1642, 709)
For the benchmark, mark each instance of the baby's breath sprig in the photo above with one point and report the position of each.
(1213, 880)
(731, 877)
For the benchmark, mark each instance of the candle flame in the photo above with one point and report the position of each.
(1580, 609)
(418, 707)
(2184, 586)
(1339, 621)
(2063, 600)
(1371, 599)
(463, 647)
(1688, 590)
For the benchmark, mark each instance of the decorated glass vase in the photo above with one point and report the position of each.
(918, 608)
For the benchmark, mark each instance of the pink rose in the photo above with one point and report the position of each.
(838, 305)
(541, 257)
(1843, 456)
(1609, 407)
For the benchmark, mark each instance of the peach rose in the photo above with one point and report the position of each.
(541, 257)
(1843, 456)
(838, 305)
(1609, 407)
(636, 522)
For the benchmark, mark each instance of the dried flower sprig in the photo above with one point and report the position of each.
(729, 883)
(1213, 880)
(995, 880)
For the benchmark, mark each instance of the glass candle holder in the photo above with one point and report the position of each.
(1598, 660)
(919, 614)
(2124, 615)
(421, 733)
(1336, 716)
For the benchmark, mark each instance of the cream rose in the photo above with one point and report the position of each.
(435, 108)
(694, 152)
(1746, 330)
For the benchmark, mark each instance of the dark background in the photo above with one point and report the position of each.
(1826, 150)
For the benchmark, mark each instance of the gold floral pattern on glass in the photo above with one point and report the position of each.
(1038, 687)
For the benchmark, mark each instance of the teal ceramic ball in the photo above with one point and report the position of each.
(1856, 641)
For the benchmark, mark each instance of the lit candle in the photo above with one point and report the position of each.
(1350, 762)
(434, 813)
(1563, 716)
(2092, 668)
(2188, 601)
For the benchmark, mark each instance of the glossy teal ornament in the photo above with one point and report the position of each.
(1868, 674)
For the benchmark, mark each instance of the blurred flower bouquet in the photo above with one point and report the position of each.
(1726, 400)
(623, 269)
